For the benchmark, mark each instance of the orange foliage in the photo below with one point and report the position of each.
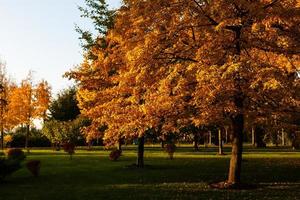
(27, 102)
(168, 63)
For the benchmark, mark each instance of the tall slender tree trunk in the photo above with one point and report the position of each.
(2, 135)
(209, 135)
(120, 145)
(235, 168)
(196, 139)
(226, 134)
(253, 136)
(27, 137)
(234, 176)
(89, 145)
(220, 142)
(277, 138)
(2, 126)
(282, 137)
(140, 154)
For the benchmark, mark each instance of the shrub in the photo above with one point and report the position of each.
(34, 167)
(7, 139)
(11, 163)
(15, 154)
(8, 166)
(170, 149)
(36, 138)
(69, 148)
(296, 144)
(115, 154)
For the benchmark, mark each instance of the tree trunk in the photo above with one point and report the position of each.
(2, 135)
(89, 145)
(196, 139)
(259, 133)
(282, 137)
(234, 176)
(57, 146)
(2, 125)
(226, 134)
(277, 138)
(140, 154)
(53, 146)
(220, 142)
(209, 142)
(253, 136)
(27, 137)
(162, 144)
(120, 145)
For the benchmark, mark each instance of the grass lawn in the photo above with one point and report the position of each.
(91, 175)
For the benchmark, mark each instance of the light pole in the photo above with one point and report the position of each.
(3, 103)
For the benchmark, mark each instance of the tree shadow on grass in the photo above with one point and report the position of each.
(181, 178)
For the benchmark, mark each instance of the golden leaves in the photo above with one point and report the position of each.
(272, 84)
(168, 63)
(27, 102)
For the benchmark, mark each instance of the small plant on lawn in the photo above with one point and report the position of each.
(15, 154)
(69, 148)
(115, 154)
(296, 141)
(7, 140)
(34, 167)
(11, 163)
(170, 149)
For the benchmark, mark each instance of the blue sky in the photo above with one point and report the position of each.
(39, 35)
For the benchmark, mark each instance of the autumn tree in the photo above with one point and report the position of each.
(3, 100)
(43, 97)
(28, 102)
(27, 108)
(243, 55)
(7, 113)
(172, 63)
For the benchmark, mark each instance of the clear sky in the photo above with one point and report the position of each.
(39, 35)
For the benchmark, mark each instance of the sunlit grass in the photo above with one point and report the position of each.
(90, 175)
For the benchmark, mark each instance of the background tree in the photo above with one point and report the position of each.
(61, 132)
(36, 139)
(64, 123)
(43, 97)
(103, 20)
(64, 107)
(28, 102)
(3, 100)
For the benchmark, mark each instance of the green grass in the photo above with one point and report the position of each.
(90, 175)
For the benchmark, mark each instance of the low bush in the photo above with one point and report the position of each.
(11, 163)
(34, 167)
(115, 154)
(36, 139)
(69, 148)
(296, 144)
(7, 140)
(170, 149)
(15, 154)
(8, 166)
